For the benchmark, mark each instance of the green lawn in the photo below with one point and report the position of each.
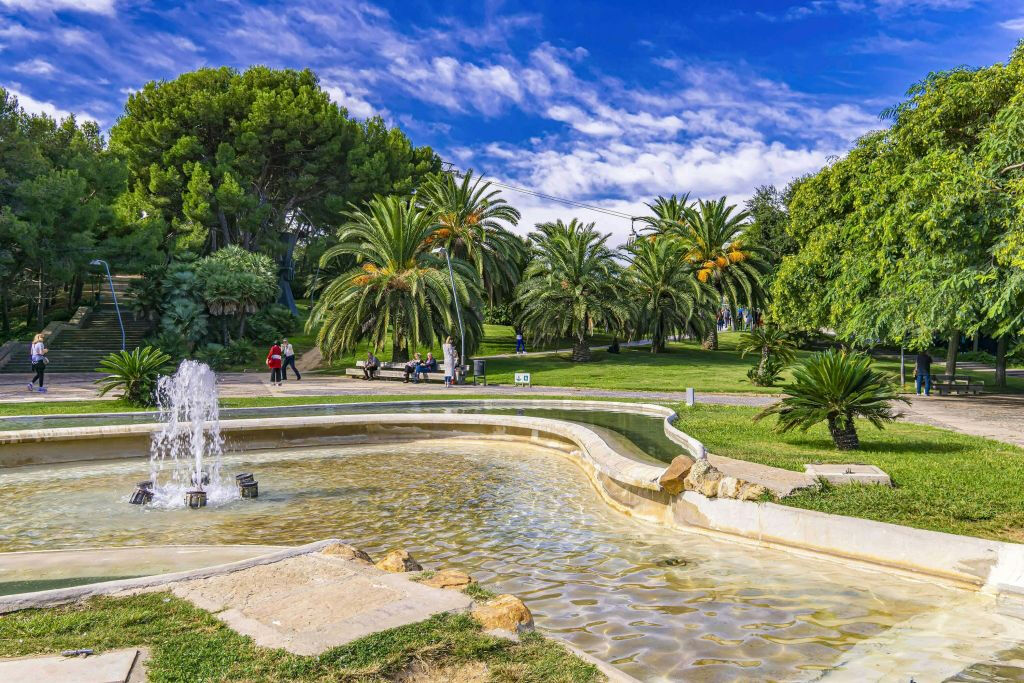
(189, 644)
(684, 365)
(943, 480)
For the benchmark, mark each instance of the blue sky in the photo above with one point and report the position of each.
(610, 103)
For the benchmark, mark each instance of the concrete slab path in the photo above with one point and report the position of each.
(116, 666)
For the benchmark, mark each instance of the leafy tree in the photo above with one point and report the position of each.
(769, 221)
(470, 216)
(571, 285)
(836, 387)
(400, 287)
(912, 233)
(668, 299)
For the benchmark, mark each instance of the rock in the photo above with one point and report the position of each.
(504, 613)
(448, 578)
(398, 561)
(728, 487)
(703, 478)
(671, 480)
(750, 491)
(346, 552)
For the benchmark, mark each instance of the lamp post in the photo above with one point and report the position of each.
(455, 296)
(113, 294)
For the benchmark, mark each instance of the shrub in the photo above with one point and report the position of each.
(135, 373)
(766, 374)
(836, 387)
(271, 323)
(220, 356)
(170, 342)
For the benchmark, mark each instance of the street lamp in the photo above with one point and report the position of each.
(455, 295)
(113, 294)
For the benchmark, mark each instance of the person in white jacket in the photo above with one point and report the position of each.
(450, 361)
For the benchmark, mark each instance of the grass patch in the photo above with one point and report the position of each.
(944, 481)
(189, 644)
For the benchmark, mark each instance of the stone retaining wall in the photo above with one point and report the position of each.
(629, 486)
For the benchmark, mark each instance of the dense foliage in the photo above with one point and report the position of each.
(916, 232)
(134, 373)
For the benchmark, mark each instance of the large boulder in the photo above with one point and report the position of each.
(672, 479)
(398, 561)
(448, 578)
(504, 613)
(346, 552)
(703, 478)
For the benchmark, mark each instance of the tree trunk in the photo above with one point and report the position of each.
(711, 339)
(844, 433)
(399, 352)
(76, 292)
(977, 340)
(580, 351)
(764, 359)
(224, 329)
(41, 302)
(951, 351)
(1001, 345)
(5, 310)
(241, 327)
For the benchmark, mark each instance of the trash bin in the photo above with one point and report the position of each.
(479, 371)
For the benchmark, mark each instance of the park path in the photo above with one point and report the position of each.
(999, 417)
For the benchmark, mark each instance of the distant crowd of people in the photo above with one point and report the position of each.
(746, 319)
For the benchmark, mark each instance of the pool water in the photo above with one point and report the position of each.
(661, 605)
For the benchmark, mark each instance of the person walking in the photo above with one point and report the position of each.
(520, 341)
(923, 373)
(37, 355)
(274, 363)
(448, 349)
(289, 359)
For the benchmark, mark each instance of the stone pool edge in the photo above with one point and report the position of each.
(629, 486)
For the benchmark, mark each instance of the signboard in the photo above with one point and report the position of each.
(522, 378)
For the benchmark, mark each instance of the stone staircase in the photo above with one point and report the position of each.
(81, 349)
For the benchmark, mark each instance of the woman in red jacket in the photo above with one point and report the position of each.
(274, 363)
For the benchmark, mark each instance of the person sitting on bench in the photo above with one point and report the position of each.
(411, 365)
(429, 365)
(370, 366)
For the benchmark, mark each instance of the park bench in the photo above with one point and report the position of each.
(397, 371)
(959, 384)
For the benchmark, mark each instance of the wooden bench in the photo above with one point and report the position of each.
(397, 371)
(960, 384)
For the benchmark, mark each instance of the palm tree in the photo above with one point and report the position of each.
(471, 216)
(713, 235)
(836, 387)
(768, 341)
(667, 211)
(399, 285)
(570, 285)
(668, 299)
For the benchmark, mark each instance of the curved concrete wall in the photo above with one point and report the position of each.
(629, 486)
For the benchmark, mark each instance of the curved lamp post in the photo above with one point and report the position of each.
(455, 296)
(113, 294)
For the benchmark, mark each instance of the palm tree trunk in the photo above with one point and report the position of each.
(764, 359)
(580, 351)
(844, 433)
(711, 339)
(399, 351)
(1001, 344)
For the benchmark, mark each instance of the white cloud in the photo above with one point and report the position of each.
(885, 43)
(36, 67)
(1013, 24)
(89, 6)
(357, 106)
(14, 31)
(34, 106)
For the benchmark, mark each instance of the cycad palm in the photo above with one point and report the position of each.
(400, 286)
(836, 387)
(712, 234)
(668, 299)
(768, 341)
(470, 216)
(570, 285)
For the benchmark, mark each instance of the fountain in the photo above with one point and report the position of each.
(186, 453)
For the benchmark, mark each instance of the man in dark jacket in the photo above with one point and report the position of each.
(923, 373)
